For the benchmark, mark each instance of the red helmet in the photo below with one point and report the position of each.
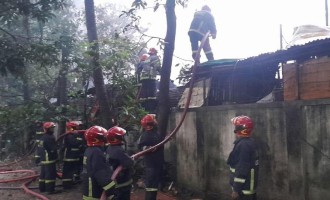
(95, 136)
(72, 125)
(115, 135)
(48, 125)
(149, 121)
(144, 57)
(152, 51)
(243, 125)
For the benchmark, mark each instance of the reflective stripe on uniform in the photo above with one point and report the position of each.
(127, 183)
(90, 187)
(67, 179)
(232, 170)
(48, 162)
(50, 181)
(75, 149)
(239, 180)
(89, 198)
(41, 180)
(248, 192)
(110, 185)
(71, 159)
(251, 191)
(151, 189)
(79, 138)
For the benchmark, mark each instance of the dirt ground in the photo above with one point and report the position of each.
(74, 193)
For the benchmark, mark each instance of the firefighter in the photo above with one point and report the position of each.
(149, 69)
(202, 22)
(48, 158)
(243, 161)
(154, 160)
(98, 172)
(117, 156)
(71, 153)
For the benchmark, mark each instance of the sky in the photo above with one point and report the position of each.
(245, 27)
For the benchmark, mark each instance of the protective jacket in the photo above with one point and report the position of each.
(244, 166)
(150, 68)
(203, 22)
(72, 146)
(117, 156)
(97, 175)
(47, 149)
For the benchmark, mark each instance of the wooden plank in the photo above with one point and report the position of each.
(289, 82)
(316, 90)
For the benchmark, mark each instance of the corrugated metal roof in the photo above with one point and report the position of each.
(315, 48)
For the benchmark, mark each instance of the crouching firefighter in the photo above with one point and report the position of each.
(243, 161)
(117, 156)
(97, 173)
(71, 153)
(48, 157)
(154, 161)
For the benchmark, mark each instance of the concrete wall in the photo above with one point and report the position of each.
(294, 142)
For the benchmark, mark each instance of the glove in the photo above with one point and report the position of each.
(214, 36)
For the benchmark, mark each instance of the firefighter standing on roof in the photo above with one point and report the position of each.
(48, 157)
(154, 160)
(97, 172)
(202, 22)
(243, 161)
(117, 156)
(148, 69)
(72, 145)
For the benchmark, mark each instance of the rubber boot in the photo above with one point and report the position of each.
(151, 195)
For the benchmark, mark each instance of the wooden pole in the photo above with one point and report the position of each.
(281, 37)
(326, 13)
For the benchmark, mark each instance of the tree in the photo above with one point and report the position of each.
(97, 70)
(164, 109)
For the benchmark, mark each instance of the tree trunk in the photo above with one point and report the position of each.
(62, 91)
(164, 109)
(25, 76)
(101, 94)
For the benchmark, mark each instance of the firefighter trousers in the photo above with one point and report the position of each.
(47, 177)
(70, 173)
(152, 182)
(195, 38)
(123, 193)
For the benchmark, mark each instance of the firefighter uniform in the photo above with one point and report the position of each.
(244, 167)
(149, 68)
(153, 161)
(72, 145)
(48, 157)
(117, 156)
(202, 22)
(97, 174)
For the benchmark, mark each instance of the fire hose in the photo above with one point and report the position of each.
(175, 130)
(29, 179)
